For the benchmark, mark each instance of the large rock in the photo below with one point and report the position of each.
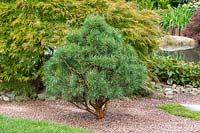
(176, 43)
(41, 96)
(11, 96)
(5, 98)
(188, 48)
(21, 98)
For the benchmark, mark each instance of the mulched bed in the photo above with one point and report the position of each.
(136, 115)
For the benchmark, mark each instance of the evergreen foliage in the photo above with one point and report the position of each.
(94, 67)
(192, 29)
(31, 29)
(18, 89)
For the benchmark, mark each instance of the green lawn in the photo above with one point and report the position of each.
(18, 125)
(179, 110)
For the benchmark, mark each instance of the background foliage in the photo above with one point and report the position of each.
(159, 4)
(18, 89)
(153, 4)
(31, 30)
(176, 18)
(176, 3)
(176, 71)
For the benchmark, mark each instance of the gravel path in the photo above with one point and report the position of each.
(137, 115)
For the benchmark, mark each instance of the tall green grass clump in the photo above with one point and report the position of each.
(177, 18)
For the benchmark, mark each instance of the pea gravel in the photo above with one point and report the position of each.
(135, 115)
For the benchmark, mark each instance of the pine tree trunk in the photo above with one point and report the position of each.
(101, 110)
(100, 113)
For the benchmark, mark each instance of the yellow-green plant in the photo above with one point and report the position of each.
(153, 4)
(30, 31)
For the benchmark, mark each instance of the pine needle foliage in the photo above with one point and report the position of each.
(94, 67)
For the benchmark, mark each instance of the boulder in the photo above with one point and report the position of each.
(21, 98)
(51, 98)
(195, 91)
(176, 43)
(174, 86)
(169, 94)
(187, 48)
(158, 86)
(5, 98)
(11, 96)
(180, 88)
(188, 88)
(168, 89)
(41, 96)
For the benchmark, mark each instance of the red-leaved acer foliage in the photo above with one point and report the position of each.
(192, 29)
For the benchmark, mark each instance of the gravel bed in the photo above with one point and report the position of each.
(136, 115)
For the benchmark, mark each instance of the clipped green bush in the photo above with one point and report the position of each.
(175, 71)
(94, 67)
(30, 31)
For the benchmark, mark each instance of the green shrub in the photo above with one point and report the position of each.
(176, 71)
(30, 31)
(18, 88)
(177, 18)
(176, 56)
(94, 67)
(153, 4)
(146, 4)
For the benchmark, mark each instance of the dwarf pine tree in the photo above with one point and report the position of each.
(94, 67)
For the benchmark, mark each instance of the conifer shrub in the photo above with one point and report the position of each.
(192, 29)
(94, 67)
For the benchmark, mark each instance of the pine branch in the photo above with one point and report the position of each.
(86, 109)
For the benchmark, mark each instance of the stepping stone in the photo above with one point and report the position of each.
(192, 107)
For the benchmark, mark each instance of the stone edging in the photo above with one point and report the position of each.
(169, 90)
